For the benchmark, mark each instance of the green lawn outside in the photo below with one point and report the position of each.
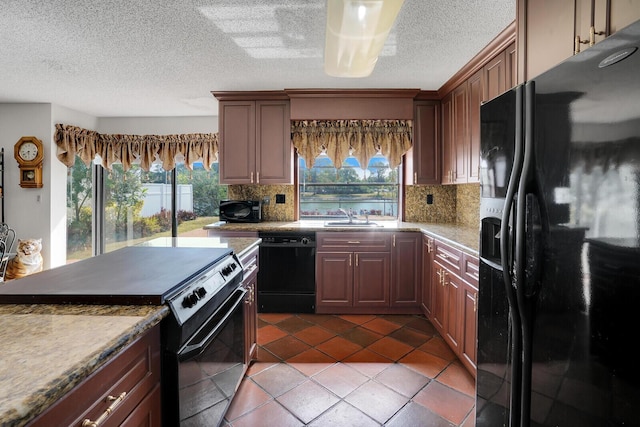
(187, 227)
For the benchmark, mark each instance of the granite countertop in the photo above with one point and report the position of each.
(49, 349)
(463, 237)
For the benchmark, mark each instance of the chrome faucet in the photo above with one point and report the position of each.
(349, 214)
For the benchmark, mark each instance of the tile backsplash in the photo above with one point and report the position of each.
(454, 204)
(273, 211)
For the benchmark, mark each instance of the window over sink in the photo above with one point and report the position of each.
(327, 192)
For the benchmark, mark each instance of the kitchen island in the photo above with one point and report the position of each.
(49, 349)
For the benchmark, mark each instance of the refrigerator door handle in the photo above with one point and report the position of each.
(525, 199)
(508, 266)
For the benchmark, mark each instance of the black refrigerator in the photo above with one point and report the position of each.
(560, 245)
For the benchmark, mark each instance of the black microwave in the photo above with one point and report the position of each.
(241, 210)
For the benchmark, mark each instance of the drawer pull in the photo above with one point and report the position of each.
(115, 401)
(353, 242)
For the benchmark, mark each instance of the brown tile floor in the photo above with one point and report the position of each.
(352, 370)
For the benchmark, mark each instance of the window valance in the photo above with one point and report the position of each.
(126, 149)
(363, 139)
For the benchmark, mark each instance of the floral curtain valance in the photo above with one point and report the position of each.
(127, 149)
(361, 138)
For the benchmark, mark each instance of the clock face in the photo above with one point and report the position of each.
(28, 151)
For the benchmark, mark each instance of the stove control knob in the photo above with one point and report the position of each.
(305, 241)
(189, 301)
(201, 292)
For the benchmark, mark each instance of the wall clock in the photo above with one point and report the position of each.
(29, 154)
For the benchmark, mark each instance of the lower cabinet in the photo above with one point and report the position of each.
(250, 282)
(368, 272)
(426, 294)
(346, 280)
(124, 392)
(406, 256)
(450, 297)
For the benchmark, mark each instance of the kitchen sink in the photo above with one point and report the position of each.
(353, 223)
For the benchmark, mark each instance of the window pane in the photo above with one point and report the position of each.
(199, 196)
(79, 211)
(324, 190)
(137, 205)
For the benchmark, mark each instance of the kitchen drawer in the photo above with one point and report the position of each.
(470, 269)
(135, 372)
(448, 256)
(369, 241)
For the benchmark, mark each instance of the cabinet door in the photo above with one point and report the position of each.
(495, 73)
(273, 143)
(427, 280)
(475, 88)
(424, 167)
(448, 163)
(334, 280)
(237, 132)
(439, 305)
(452, 317)
(405, 281)
(460, 135)
(621, 14)
(371, 279)
(511, 66)
(546, 32)
(469, 326)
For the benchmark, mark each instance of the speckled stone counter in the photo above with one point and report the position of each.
(47, 350)
(463, 237)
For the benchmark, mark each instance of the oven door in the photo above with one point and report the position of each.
(208, 368)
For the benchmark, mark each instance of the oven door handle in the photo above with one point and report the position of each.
(189, 350)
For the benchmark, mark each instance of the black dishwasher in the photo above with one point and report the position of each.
(287, 274)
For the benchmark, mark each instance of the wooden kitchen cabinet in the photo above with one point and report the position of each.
(353, 272)
(453, 312)
(255, 142)
(426, 297)
(468, 342)
(250, 264)
(423, 161)
(448, 140)
(548, 29)
(134, 373)
(371, 279)
(475, 98)
(460, 116)
(455, 133)
(406, 251)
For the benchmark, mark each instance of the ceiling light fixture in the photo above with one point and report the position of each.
(356, 32)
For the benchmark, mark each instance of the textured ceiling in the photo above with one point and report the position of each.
(117, 58)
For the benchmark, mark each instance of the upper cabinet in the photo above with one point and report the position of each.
(255, 141)
(550, 31)
(422, 162)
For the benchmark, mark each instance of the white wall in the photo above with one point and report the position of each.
(27, 210)
(157, 125)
